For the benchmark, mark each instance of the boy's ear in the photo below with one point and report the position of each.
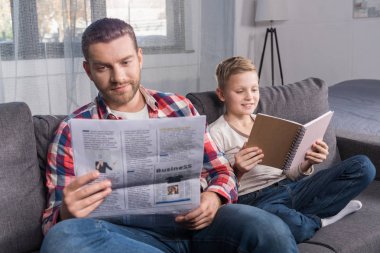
(219, 93)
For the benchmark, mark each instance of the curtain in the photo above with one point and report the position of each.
(41, 59)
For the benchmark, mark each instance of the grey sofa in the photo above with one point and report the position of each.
(25, 138)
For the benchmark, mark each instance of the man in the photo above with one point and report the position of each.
(113, 62)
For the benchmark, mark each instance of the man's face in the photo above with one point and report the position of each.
(115, 68)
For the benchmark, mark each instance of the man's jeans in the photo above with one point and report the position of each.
(236, 228)
(302, 204)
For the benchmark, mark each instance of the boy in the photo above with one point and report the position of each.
(305, 205)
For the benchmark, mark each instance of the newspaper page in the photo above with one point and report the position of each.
(154, 164)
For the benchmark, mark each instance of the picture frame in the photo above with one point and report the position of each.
(366, 8)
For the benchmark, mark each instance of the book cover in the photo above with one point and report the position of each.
(285, 142)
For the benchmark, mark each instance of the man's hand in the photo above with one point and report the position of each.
(247, 158)
(80, 199)
(204, 214)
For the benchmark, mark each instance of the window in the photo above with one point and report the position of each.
(54, 19)
(6, 34)
(53, 28)
(158, 24)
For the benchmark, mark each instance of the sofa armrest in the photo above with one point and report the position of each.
(349, 147)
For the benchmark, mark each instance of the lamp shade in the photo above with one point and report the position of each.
(271, 10)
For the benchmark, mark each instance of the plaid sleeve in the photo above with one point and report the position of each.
(59, 173)
(217, 172)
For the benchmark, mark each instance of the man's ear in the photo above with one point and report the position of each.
(140, 56)
(86, 67)
(219, 93)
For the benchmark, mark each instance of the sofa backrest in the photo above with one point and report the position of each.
(44, 129)
(22, 197)
(301, 101)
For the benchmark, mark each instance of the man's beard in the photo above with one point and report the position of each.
(117, 100)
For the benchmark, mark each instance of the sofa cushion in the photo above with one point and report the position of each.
(314, 248)
(357, 232)
(21, 189)
(350, 147)
(301, 101)
(207, 103)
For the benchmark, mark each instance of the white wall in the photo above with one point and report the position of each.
(244, 39)
(320, 39)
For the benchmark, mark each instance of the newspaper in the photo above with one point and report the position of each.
(154, 165)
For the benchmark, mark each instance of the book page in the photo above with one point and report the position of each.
(275, 137)
(314, 130)
(154, 164)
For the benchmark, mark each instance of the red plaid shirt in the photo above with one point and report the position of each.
(217, 175)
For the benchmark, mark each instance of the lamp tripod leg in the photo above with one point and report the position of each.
(278, 55)
(263, 53)
(271, 53)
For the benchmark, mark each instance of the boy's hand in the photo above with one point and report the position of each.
(247, 158)
(80, 199)
(202, 216)
(318, 153)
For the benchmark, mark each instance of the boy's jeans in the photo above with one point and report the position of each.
(302, 204)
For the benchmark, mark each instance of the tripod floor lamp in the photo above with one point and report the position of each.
(271, 10)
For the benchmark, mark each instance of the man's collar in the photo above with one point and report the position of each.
(105, 112)
(149, 99)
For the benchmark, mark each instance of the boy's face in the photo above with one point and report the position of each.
(241, 93)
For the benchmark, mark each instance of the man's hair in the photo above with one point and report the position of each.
(232, 66)
(106, 30)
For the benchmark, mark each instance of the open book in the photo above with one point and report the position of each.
(284, 142)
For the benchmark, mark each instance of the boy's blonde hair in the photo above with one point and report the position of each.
(232, 66)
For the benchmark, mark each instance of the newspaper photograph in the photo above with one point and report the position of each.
(154, 164)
